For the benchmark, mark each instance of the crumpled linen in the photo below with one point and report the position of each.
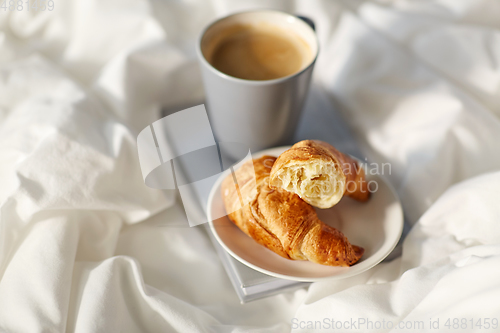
(85, 246)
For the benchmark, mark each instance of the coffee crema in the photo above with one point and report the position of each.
(259, 52)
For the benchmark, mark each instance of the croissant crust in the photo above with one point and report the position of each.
(281, 220)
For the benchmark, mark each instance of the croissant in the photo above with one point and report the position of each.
(319, 174)
(280, 220)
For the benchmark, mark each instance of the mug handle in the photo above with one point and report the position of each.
(308, 21)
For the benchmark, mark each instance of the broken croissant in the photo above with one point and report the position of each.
(280, 220)
(319, 174)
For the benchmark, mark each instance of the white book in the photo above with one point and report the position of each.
(248, 283)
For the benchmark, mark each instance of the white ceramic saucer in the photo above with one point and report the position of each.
(375, 225)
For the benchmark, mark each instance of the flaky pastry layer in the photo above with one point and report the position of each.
(319, 174)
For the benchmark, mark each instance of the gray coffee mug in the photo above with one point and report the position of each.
(258, 114)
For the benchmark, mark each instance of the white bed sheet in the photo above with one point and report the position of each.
(85, 246)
